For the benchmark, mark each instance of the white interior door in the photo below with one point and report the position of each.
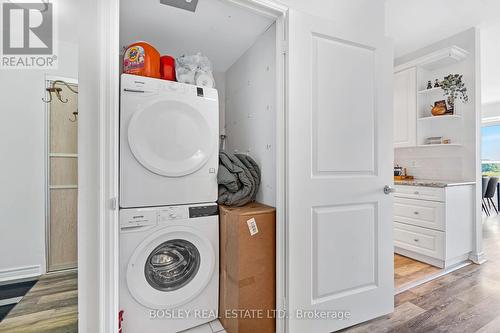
(340, 247)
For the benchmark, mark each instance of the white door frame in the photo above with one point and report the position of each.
(109, 16)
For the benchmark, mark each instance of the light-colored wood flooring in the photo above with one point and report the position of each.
(49, 307)
(408, 271)
(464, 301)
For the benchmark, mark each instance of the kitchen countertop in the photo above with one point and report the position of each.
(432, 183)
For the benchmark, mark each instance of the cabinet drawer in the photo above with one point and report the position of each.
(419, 192)
(420, 240)
(421, 213)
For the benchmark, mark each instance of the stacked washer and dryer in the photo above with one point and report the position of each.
(169, 237)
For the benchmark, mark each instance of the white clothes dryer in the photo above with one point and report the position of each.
(169, 135)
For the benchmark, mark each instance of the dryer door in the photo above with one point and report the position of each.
(170, 268)
(170, 138)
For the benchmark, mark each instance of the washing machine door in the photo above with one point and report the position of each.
(170, 138)
(170, 268)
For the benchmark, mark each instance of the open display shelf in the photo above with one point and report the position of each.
(440, 145)
(443, 117)
(448, 126)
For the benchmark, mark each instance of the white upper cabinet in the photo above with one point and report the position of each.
(405, 108)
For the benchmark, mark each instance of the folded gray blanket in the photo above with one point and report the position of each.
(238, 178)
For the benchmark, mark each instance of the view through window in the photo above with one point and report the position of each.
(490, 151)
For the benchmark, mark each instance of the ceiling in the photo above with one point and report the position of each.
(218, 29)
(414, 24)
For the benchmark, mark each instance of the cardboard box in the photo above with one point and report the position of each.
(248, 268)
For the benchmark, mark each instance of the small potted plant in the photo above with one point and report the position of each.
(454, 88)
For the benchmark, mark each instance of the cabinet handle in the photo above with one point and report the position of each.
(416, 213)
(416, 240)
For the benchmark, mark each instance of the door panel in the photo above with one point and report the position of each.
(339, 157)
(338, 227)
(63, 234)
(337, 111)
(63, 182)
(405, 108)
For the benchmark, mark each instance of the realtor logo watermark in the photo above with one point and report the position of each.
(28, 36)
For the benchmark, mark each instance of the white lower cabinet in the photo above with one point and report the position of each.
(434, 225)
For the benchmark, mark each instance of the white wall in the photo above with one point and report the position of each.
(370, 13)
(220, 85)
(491, 110)
(88, 167)
(251, 110)
(22, 194)
(490, 71)
(448, 163)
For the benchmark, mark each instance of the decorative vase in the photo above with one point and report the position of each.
(438, 110)
(451, 104)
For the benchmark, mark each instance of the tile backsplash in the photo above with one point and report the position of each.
(430, 167)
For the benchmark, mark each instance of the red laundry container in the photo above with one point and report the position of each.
(167, 68)
(142, 59)
(120, 319)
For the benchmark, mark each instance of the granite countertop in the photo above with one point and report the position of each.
(432, 183)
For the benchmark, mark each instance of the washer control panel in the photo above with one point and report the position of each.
(173, 213)
(187, 212)
(201, 211)
(135, 218)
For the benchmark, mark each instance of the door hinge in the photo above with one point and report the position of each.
(284, 47)
(113, 203)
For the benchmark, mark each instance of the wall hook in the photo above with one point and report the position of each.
(57, 91)
(75, 116)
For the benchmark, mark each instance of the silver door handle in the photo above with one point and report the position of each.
(389, 189)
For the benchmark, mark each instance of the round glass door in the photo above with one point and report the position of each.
(172, 265)
(170, 138)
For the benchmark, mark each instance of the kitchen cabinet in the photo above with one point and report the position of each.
(405, 108)
(434, 224)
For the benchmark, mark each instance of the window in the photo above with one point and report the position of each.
(490, 150)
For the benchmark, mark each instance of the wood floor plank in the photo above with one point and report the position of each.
(402, 314)
(407, 271)
(51, 306)
(491, 327)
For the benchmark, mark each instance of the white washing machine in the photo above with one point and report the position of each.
(169, 267)
(169, 134)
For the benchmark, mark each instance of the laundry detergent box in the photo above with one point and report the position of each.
(248, 268)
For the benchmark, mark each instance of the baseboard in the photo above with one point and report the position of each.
(477, 258)
(20, 273)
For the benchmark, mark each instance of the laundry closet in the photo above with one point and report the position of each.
(241, 47)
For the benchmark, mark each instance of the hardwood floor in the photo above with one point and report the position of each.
(408, 271)
(464, 301)
(49, 307)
